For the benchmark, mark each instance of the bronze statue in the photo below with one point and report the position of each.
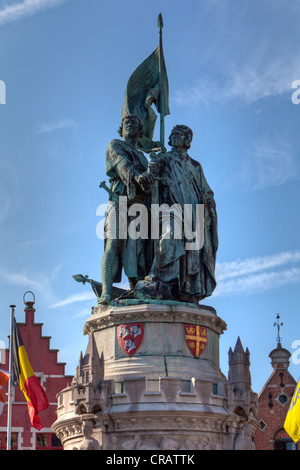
(126, 167)
(188, 267)
(166, 267)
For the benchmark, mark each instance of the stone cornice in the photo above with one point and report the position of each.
(113, 316)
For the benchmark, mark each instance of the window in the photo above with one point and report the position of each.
(283, 441)
(48, 442)
(42, 440)
(285, 446)
(282, 399)
(262, 425)
(3, 441)
(290, 446)
(55, 442)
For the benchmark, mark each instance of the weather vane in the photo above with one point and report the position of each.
(278, 328)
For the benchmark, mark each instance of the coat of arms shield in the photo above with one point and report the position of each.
(130, 337)
(196, 338)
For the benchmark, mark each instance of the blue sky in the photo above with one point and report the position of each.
(231, 66)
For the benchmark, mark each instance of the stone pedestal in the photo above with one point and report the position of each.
(164, 351)
(162, 394)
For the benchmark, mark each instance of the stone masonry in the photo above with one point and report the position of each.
(162, 396)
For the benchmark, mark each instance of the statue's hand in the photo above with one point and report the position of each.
(145, 181)
(154, 166)
(154, 169)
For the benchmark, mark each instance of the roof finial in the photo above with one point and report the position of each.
(29, 304)
(278, 329)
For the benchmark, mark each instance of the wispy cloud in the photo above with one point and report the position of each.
(269, 161)
(32, 242)
(46, 128)
(249, 59)
(38, 282)
(258, 283)
(244, 84)
(242, 267)
(255, 275)
(27, 8)
(84, 296)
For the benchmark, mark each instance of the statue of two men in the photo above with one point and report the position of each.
(181, 181)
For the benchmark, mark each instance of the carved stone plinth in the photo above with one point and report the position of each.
(164, 350)
(167, 393)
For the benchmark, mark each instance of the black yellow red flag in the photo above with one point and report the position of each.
(23, 375)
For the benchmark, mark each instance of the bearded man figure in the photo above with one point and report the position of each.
(126, 167)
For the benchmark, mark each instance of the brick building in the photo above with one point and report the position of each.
(52, 378)
(273, 404)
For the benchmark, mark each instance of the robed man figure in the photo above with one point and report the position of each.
(190, 271)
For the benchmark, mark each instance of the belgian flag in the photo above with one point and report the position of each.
(23, 375)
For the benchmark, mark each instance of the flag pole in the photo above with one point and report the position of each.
(160, 25)
(155, 193)
(10, 385)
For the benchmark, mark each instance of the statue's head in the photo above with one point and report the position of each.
(87, 429)
(185, 131)
(130, 124)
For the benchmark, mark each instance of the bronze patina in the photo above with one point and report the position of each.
(163, 268)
